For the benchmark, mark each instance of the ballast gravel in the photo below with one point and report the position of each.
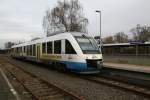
(88, 90)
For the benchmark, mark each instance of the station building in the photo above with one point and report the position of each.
(127, 49)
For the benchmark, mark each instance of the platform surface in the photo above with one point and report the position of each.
(5, 93)
(137, 68)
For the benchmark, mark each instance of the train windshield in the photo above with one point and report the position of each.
(88, 45)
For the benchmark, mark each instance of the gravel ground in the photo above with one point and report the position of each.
(87, 89)
(5, 93)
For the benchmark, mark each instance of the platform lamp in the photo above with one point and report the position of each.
(98, 11)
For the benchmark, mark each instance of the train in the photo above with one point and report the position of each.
(73, 51)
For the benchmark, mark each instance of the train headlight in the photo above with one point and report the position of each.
(99, 64)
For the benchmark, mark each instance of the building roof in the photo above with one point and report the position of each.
(125, 44)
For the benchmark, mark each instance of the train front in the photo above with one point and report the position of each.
(91, 54)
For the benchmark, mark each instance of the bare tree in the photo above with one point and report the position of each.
(108, 39)
(66, 16)
(141, 33)
(120, 37)
(144, 34)
(8, 45)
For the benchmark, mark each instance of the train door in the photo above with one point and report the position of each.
(37, 52)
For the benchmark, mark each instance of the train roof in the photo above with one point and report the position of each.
(125, 44)
(65, 35)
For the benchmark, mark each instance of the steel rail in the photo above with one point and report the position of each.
(118, 84)
(139, 90)
(17, 72)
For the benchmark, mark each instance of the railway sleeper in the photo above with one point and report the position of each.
(23, 75)
(54, 92)
(43, 90)
(33, 87)
(42, 95)
(54, 97)
(20, 78)
(32, 83)
(28, 77)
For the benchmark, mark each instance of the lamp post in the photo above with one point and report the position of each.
(98, 11)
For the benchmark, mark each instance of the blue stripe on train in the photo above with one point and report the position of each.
(76, 65)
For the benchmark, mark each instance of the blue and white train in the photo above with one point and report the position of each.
(74, 51)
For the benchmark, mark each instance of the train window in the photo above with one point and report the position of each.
(12, 50)
(31, 50)
(88, 45)
(43, 47)
(28, 50)
(17, 50)
(49, 47)
(20, 49)
(24, 49)
(57, 47)
(69, 48)
(34, 50)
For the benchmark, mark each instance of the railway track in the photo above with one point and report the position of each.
(137, 89)
(38, 88)
(143, 91)
(133, 77)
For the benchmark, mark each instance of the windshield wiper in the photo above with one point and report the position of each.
(88, 39)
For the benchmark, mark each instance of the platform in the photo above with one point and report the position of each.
(130, 67)
(5, 93)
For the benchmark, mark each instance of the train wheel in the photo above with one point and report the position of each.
(54, 65)
(60, 67)
(64, 69)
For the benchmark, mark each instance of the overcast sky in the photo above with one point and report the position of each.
(22, 19)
